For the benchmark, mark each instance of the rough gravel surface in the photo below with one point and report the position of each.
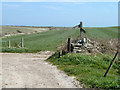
(30, 70)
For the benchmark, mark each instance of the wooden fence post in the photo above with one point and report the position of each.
(68, 45)
(80, 25)
(72, 47)
(9, 44)
(111, 64)
(80, 29)
(22, 45)
(59, 55)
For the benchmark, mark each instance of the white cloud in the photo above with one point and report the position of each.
(60, 0)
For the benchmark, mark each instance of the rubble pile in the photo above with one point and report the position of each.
(86, 45)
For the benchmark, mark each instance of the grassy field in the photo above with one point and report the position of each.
(102, 33)
(25, 29)
(51, 40)
(89, 70)
(13, 29)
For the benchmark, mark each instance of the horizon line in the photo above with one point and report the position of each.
(58, 26)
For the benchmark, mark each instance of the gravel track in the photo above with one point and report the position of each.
(30, 70)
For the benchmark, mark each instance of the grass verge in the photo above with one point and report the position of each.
(14, 50)
(89, 69)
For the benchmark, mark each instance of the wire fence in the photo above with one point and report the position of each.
(16, 42)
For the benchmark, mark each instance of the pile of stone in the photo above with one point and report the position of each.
(85, 45)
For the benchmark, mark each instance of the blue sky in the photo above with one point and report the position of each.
(65, 14)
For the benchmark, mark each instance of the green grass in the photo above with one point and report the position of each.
(102, 33)
(51, 40)
(14, 50)
(89, 69)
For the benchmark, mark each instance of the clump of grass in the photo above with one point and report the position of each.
(14, 50)
(89, 69)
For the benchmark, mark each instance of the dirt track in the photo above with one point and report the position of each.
(28, 70)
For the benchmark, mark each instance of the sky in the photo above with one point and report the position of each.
(60, 14)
